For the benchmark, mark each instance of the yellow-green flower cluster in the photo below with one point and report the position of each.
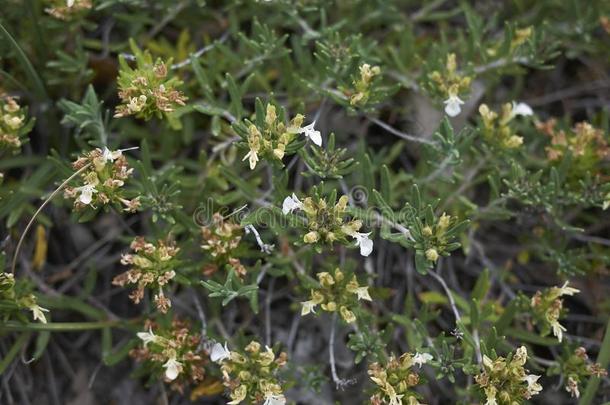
(497, 129)
(67, 9)
(148, 90)
(547, 309)
(327, 222)
(362, 85)
(520, 36)
(12, 123)
(253, 375)
(576, 368)
(220, 239)
(104, 174)
(586, 144)
(505, 381)
(449, 85)
(395, 380)
(16, 296)
(337, 292)
(435, 238)
(173, 352)
(271, 139)
(152, 266)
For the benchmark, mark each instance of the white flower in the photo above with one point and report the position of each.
(38, 313)
(147, 337)
(311, 133)
(291, 203)
(452, 105)
(275, 399)
(136, 104)
(363, 293)
(86, 193)
(572, 388)
(395, 399)
(362, 240)
(70, 3)
(172, 368)
(565, 290)
(490, 393)
(308, 307)
(521, 109)
(533, 388)
(558, 330)
(252, 156)
(575, 392)
(110, 156)
(422, 358)
(219, 353)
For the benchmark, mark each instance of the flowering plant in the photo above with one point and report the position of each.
(274, 202)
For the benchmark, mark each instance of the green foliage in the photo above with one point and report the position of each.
(424, 177)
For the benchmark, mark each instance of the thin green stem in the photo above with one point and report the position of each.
(12, 326)
(28, 226)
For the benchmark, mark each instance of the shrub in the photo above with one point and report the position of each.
(271, 202)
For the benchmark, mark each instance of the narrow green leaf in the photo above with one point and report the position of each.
(13, 351)
(37, 83)
(481, 286)
(385, 184)
(42, 341)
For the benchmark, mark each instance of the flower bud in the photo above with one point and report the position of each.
(311, 237)
(270, 116)
(426, 231)
(326, 280)
(253, 347)
(432, 255)
(342, 203)
(347, 315)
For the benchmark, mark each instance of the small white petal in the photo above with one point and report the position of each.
(291, 203)
(565, 290)
(533, 387)
(70, 3)
(110, 156)
(86, 194)
(316, 137)
(522, 109)
(219, 352)
(558, 330)
(363, 293)
(38, 313)
(311, 133)
(147, 337)
(85, 197)
(395, 399)
(307, 307)
(366, 244)
(252, 157)
(275, 400)
(366, 247)
(452, 106)
(421, 358)
(172, 369)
